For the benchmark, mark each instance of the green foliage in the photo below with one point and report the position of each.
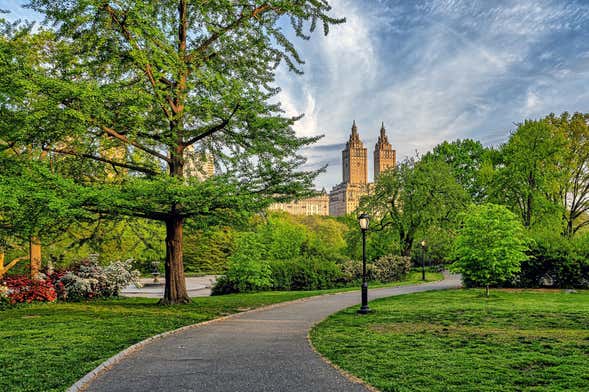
(208, 251)
(247, 270)
(466, 159)
(573, 189)
(285, 253)
(414, 196)
(490, 246)
(555, 261)
(529, 172)
(305, 274)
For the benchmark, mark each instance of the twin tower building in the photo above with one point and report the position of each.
(345, 197)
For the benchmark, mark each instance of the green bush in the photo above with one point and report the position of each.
(305, 274)
(555, 261)
(490, 246)
(352, 271)
(391, 268)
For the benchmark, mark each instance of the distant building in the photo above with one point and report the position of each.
(198, 163)
(345, 197)
(314, 205)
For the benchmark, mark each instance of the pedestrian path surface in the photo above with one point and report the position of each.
(265, 350)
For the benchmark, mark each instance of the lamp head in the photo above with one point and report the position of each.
(423, 243)
(364, 221)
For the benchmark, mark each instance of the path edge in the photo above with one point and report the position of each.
(344, 373)
(83, 383)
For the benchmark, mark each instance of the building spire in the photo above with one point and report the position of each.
(354, 128)
(382, 130)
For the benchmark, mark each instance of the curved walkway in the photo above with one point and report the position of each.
(264, 350)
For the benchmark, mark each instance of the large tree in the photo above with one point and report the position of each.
(573, 190)
(415, 196)
(134, 85)
(466, 159)
(528, 174)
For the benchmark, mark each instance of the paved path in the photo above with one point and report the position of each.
(258, 351)
(198, 286)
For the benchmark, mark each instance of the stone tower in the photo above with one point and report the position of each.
(354, 157)
(384, 155)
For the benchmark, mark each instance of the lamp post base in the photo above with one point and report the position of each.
(364, 309)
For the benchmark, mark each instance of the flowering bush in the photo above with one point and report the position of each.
(4, 299)
(22, 289)
(90, 280)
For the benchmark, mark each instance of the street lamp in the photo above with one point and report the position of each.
(423, 259)
(364, 220)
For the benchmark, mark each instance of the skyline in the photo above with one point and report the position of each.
(431, 71)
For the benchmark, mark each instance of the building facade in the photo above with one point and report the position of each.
(315, 205)
(199, 164)
(384, 155)
(345, 197)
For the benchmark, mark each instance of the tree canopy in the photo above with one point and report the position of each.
(135, 86)
(490, 246)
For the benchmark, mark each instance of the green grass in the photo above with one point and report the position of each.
(461, 341)
(48, 347)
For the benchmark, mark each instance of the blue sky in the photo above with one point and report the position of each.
(434, 70)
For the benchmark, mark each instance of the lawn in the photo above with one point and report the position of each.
(47, 347)
(516, 340)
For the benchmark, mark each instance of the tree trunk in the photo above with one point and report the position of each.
(486, 290)
(175, 289)
(35, 256)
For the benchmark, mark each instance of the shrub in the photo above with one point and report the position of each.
(352, 271)
(554, 261)
(22, 289)
(391, 268)
(4, 298)
(305, 274)
(90, 280)
(244, 276)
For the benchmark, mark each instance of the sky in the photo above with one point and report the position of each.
(432, 70)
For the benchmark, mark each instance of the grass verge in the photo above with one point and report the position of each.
(516, 340)
(48, 347)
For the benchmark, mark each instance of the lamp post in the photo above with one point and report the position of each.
(364, 220)
(423, 260)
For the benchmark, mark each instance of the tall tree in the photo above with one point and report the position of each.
(414, 196)
(573, 192)
(151, 80)
(466, 158)
(528, 175)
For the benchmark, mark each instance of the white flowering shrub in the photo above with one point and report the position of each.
(119, 275)
(4, 300)
(77, 287)
(92, 280)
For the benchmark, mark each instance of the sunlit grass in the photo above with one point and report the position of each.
(460, 341)
(47, 347)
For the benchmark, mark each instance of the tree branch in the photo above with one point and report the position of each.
(212, 129)
(126, 140)
(101, 159)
